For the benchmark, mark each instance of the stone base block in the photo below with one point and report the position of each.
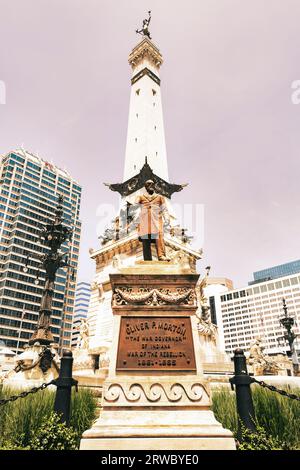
(159, 443)
(157, 429)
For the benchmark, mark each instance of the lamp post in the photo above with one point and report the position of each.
(288, 322)
(53, 235)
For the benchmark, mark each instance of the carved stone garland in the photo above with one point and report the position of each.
(153, 296)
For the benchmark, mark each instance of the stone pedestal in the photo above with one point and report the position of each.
(33, 374)
(155, 395)
(83, 363)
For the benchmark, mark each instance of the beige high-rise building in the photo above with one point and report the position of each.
(254, 311)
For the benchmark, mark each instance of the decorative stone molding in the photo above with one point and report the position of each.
(82, 359)
(157, 393)
(145, 50)
(153, 296)
(104, 360)
(184, 260)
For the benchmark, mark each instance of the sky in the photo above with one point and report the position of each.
(232, 130)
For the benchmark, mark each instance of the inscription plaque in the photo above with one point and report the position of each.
(150, 343)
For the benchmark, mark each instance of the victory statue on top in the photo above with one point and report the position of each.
(144, 31)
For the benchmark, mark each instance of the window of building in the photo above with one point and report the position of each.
(35, 167)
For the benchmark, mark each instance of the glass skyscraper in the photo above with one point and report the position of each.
(29, 189)
(286, 269)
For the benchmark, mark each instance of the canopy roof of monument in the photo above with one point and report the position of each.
(138, 181)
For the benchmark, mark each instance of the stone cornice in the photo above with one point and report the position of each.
(115, 245)
(145, 50)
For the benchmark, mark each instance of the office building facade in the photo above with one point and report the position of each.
(29, 189)
(254, 312)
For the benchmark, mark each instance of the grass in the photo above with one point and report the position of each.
(279, 416)
(19, 419)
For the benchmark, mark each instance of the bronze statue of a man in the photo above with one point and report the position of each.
(153, 214)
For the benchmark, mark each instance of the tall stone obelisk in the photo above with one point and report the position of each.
(145, 158)
(145, 135)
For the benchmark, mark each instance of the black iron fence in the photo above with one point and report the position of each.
(63, 383)
(242, 382)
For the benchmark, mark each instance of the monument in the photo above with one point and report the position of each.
(155, 395)
(145, 159)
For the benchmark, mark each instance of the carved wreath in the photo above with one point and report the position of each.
(153, 296)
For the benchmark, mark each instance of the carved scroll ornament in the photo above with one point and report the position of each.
(154, 393)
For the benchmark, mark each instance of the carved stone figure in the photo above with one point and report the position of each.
(202, 299)
(153, 210)
(83, 339)
(205, 325)
(260, 362)
(99, 288)
(104, 359)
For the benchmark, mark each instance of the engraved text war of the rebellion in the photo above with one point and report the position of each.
(156, 343)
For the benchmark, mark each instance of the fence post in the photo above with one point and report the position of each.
(64, 383)
(242, 382)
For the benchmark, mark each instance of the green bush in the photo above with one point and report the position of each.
(259, 440)
(8, 445)
(20, 420)
(83, 409)
(54, 435)
(278, 417)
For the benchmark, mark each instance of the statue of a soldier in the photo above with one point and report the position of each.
(153, 216)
